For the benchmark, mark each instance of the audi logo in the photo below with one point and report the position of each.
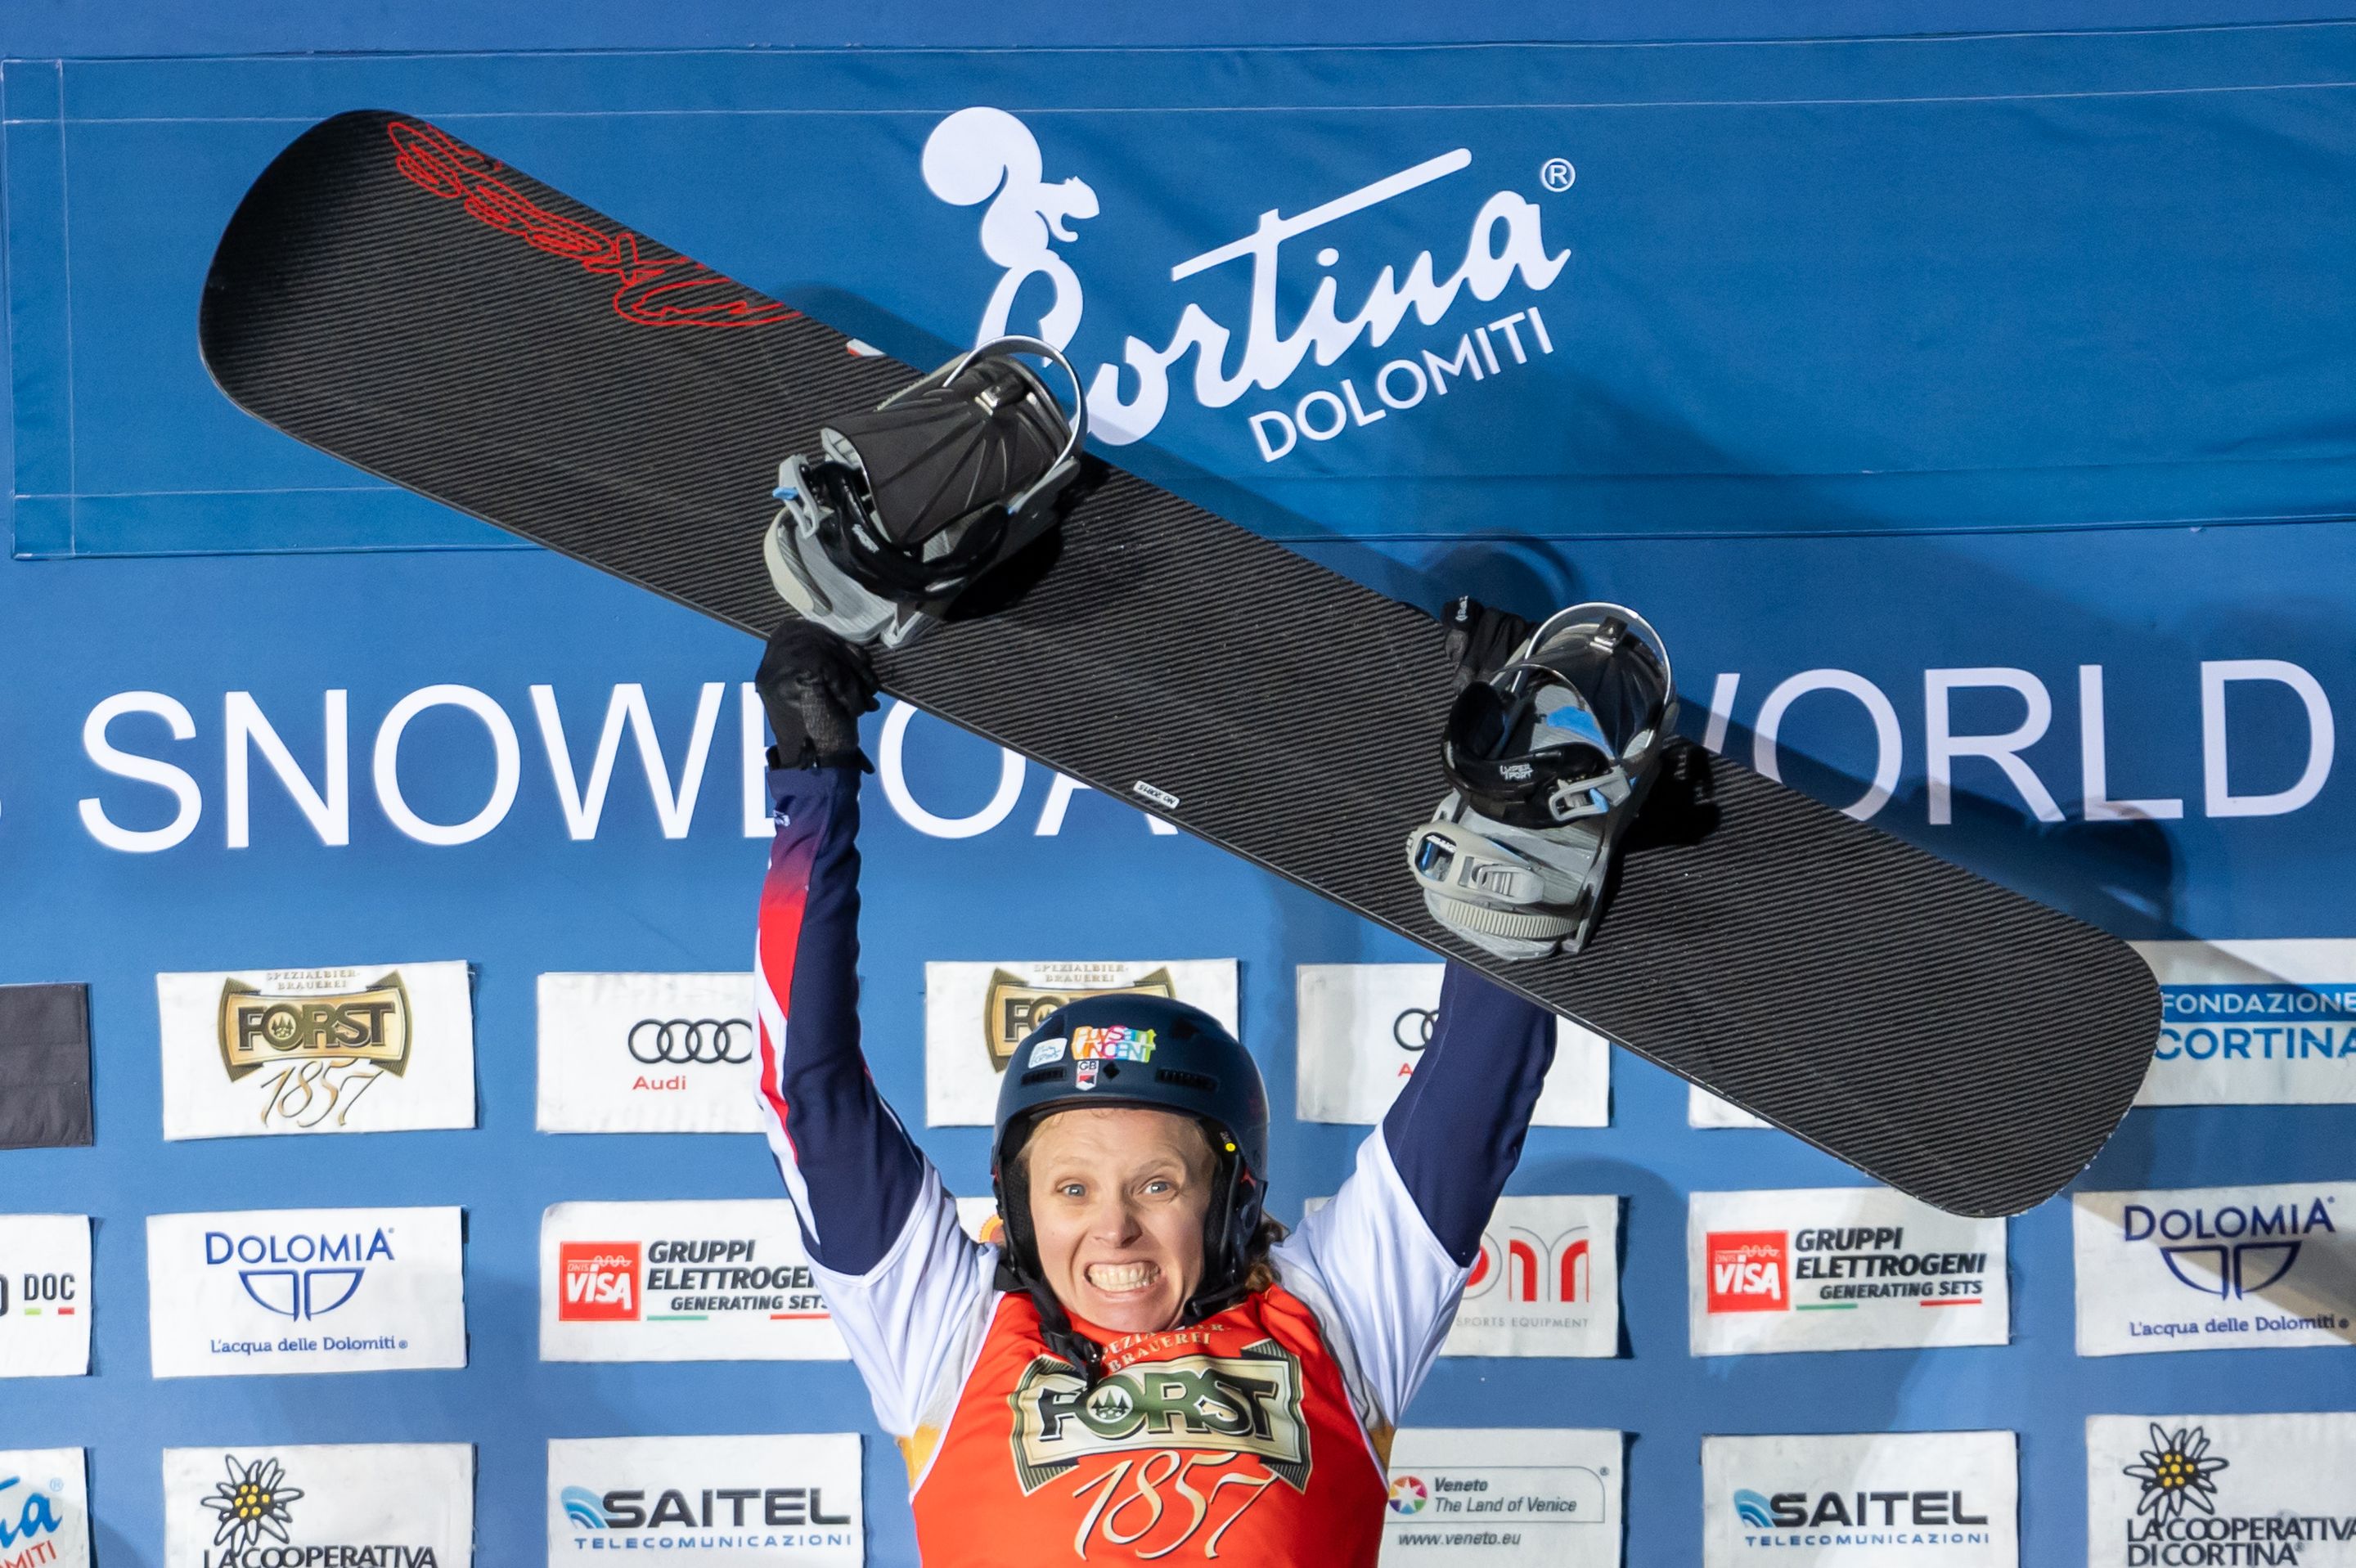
(1413, 1028)
(681, 1041)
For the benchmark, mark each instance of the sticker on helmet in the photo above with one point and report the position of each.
(1112, 1042)
(1046, 1051)
(1083, 1074)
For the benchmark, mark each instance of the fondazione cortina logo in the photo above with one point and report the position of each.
(2270, 1021)
(732, 1501)
(2166, 1492)
(327, 1506)
(343, 1049)
(2212, 1267)
(1014, 1005)
(1464, 331)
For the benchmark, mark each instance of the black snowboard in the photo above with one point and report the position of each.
(414, 308)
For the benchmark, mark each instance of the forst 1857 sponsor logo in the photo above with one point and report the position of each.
(1835, 1268)
(1215, 1405)
(689, 1280)
(322, 1038)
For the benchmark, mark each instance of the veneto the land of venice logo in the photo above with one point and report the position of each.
(985, 156)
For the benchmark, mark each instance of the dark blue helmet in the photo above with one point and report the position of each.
(1161, 1055)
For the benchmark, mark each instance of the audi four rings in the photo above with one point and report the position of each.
(1413, 1028)
(683, 1041)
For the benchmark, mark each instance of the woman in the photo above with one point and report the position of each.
(1146, 1368)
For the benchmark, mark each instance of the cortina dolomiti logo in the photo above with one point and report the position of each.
(985, 156)
(251, 1505)
(2176, 1472)
(2234, 1250)
(1012, 1007)
(322, 1048)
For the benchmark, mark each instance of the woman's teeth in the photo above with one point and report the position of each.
(1121, 1276)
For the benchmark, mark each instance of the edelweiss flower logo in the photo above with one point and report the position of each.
(2175, 1471)
(252, 1503)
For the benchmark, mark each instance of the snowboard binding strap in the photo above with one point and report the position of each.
(1551, 757)
(909, 505)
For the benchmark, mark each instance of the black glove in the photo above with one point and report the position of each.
(1479, 640)
(814, 685)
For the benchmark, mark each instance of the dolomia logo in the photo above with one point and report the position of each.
(987, 155)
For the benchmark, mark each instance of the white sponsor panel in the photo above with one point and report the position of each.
(709, 1502)
(976, 1014)
(1364, 1025)
(43, 1508)
(2253, 1023)
(362, 1048)
(1839, 1268)
(2203, 1268)
(1496, 1496)
(2241, 1489)
(1547, 1282)
(1862, 1501)
(1704, 1109)
(305, 1290)
(979, 1217)
(404, 1505)
(44, 1299)
(725, 1281)
(648, 1053)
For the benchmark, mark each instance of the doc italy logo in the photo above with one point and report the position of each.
(985, 156)
(2177, 1471)
(300, 1276)
(2233, 1250)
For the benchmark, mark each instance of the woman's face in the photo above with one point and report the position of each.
(1118, 1198)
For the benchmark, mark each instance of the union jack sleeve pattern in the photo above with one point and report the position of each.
(824, 1113)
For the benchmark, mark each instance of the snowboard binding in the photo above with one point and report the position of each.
(1551, 756)
(909, 505)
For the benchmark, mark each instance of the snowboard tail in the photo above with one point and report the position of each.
(393, 297)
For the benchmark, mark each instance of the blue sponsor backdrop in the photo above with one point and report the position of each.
(2003, 357)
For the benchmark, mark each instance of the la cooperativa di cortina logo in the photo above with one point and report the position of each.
(2176, 1473)
(251, 1504)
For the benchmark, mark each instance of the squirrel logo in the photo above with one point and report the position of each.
(987, 154)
